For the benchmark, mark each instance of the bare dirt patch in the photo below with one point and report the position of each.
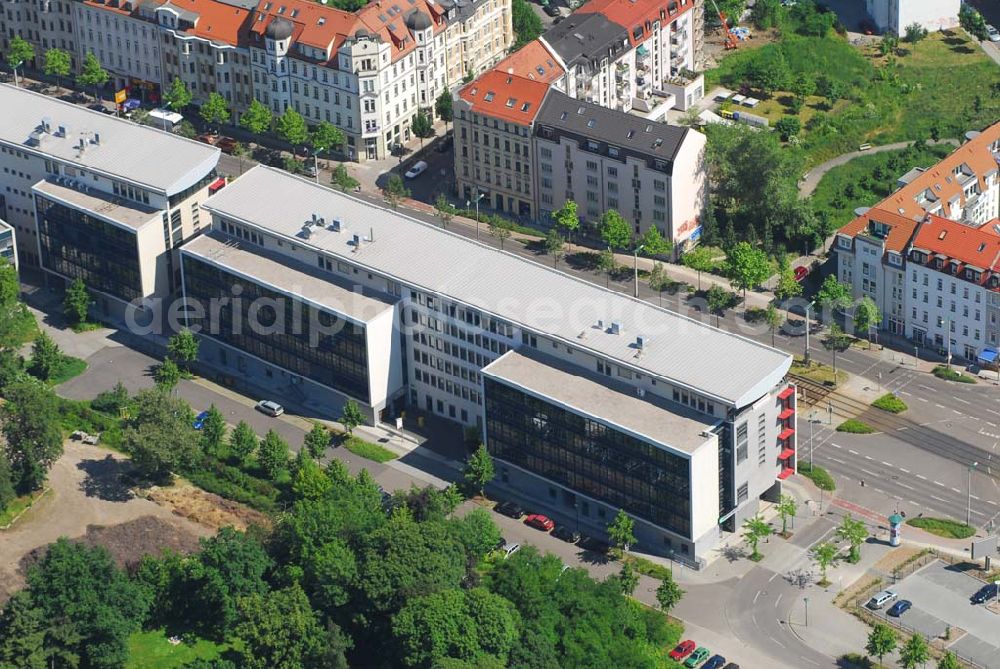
(204, 508)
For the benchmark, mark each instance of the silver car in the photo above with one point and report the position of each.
(272, 409)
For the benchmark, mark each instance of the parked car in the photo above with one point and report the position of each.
(227, 144)
(881, 599)
(270, 407)
(510, 549)
(731, 665)
(99, 107)
(416, 170)
(594, 545)
(697, 657)
(209, 138)
(682, 650)
(715, 662)
(309, 169)
(801, 272)
(985, 593)
(992, 33)
(899, 608)
(199, 420)
(551, 10)
(540, 522)
(566, 534)
(510, 509)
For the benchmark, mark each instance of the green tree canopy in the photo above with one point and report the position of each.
(158, 435)
(555, 246)
(755, 528)
(747, 267)
(566, 218)
(292, 128)
(326, 137)
(395, 191)
(215, 111)
(76, 303)
(46, 358)
(443, 106)
(527, 24)
(272, 454)
(213, 431)
(167, 375)
(668, 594)
(317, 440)
(615, 230)
(854, 532)
(183, 348)
(57, 63)
(444, 209)
(342, 179)
(700, 260)
(653, 243)
(351, 416)
(882, 641)
(257, 118)
(19, 52)
(621, 531)
(422, 126)
(178, 95)
(479, 470)
(30, 423)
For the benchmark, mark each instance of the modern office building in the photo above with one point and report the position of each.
(84, 202)
(894, 16)
(874, 251)
(590, 400)
(8, 245)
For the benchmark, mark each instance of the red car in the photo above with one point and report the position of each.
(801, 272)
(539, 522)
(683, 649)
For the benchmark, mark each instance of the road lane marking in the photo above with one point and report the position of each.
(852, 451)
(756, 597)
(922, 399)
(900, 429)
(903, 392)
(959, 399)
(921, 476)
(887, 464)
(955, 490)
(773, 576)
(939, 483)
(939, 499)
(870, 473)
(778, 601)
(830, 457)
(903, 485)
(905, 471)
(835, 445)
(868, 457)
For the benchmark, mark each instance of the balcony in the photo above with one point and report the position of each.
(785, 473)
(679, 37)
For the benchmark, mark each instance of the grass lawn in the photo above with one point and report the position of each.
(368, 450)
(949, 374)
(867, 180)
(152, 650)
(818, 475)
(855, 426)
(942, 527)
(17, 505)
(890, 403)
(817, 372)
(69, 368)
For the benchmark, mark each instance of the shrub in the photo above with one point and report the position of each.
(855, 426)
(949, 374)
(368, 450)
(943, 527)
(890, 403)
(818, 475)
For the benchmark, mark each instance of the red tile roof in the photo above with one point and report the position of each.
(315, 25)
(633, 14)
(217, 21)
(901, 228)
(978, 247)
(505, 96)
(532, 61)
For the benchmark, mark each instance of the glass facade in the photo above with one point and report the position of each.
(7, 243)
(333, 356)
(588, 457)
(76, 244)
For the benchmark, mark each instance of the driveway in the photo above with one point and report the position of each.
(84, 490)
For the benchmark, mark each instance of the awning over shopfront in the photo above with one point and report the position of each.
(217, 185)
(988, 355)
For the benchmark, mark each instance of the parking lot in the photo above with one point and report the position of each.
(940, 594)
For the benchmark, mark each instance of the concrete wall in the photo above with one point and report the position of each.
(385, 363)
(688, 188)
(704, 464)
(893, 16)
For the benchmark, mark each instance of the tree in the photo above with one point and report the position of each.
(836, 341)
(765, 14)
(213, 431)
(888, 44)
(768, 72)
(242, 441)
(325, 137)
(718, 299)
(177, 95)
(774, 319)
(833, 294)
(788, 287)
(279, 630)
(914, 33)
(854, 532)
(607, 264)
(444, 107)
(479, 469)
(659, 280)
(46, 358)
(30, 423)
(825, 554)
(167, 375)
(615, 230)
(567, 219)
(292, 128)
(394, 191)
(22, 634)
(7, 491)
(444, 210)
(310, 481)
(867, 317)
(76, 303)
(19, 52)
(786, 508)
(747, 267)
(668, 594)
(755, 528)
(351, 416)
(257, 118)
(788, 127)
(881, 641)
(526, 23)
(422, 126)
(628, 578)
(477, 532)
(700, 260)
(158, 435)
(272, 454)
(948, 660)
(621, 531)
(500, 228)
(973, 22)
(187, 130)
(555, 246)
(915, 652)
(653, 242)
(215, 111)
(183, 348)
(317, 441)
(342, 179)
(240, 151)
(57, 63)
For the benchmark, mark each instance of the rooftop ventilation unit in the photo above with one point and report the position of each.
(600, 324)
(306, 231)
(616, 327)
(336, 225)
(640, 342)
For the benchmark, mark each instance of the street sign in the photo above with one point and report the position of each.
(121, 96)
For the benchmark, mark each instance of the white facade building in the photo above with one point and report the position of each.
(893, 16)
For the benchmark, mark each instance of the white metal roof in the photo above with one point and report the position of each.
(730, 368)
(128, 151)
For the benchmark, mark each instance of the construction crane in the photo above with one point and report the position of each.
(729, 40)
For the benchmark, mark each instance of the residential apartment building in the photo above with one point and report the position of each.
(125, 39)
(894, 16)
(956, 199)
(46, 24)
(611, 404)
(8, 245)
(84, 202)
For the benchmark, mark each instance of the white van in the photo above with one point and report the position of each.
(165, 117)
(881, 599)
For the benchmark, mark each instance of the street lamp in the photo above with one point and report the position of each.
(806, 600)
(968, 508)
(19, 64)
(812, 421)
(166, 106)
(468, 203)
(635, 269)
(809, 306)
